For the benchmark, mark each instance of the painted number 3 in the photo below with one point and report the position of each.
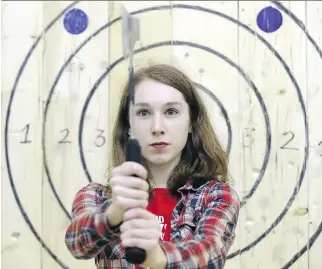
(100, 139)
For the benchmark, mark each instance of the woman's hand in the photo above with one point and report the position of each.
(129, 191)
(142, 229)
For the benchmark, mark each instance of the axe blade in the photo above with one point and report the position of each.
(130, 31)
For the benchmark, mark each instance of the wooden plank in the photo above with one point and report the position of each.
(213, 39)
(65, 168)
(19, 244)
(314, 101)
(285, 116)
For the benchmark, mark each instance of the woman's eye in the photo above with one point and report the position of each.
(172, 111)
(142, 113)
(145, 113)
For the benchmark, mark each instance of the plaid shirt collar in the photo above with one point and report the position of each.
(194, 185)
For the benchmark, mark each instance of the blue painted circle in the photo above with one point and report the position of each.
(75, 21)
(269, 19)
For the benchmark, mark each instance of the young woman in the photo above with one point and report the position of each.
(181, 207)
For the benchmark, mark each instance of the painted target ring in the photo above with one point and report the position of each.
(298, 185)
(204, 48)
(229, 61)
(223, 112)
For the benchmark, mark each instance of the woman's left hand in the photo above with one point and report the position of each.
(140, 229)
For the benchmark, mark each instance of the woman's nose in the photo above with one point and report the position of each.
(157, 126)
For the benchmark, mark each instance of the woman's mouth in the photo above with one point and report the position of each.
(159, 145)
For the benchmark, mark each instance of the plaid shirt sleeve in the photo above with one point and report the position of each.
(213, 236)
(89, 231)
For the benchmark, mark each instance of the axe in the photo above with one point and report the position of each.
(131, 34)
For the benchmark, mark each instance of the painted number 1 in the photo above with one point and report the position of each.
(26, 130)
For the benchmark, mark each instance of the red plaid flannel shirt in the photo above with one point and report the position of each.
(202, 228)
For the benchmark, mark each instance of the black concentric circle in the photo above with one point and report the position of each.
(194, 45)
(262, 104)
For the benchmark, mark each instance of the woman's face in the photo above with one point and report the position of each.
(161, 115)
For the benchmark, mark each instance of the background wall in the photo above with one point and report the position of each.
(258, 66)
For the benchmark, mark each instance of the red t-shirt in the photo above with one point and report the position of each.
(162, 205)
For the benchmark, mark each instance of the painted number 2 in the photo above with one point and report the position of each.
(291, 137)
(64, 140)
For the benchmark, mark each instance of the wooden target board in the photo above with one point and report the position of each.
(257, 65)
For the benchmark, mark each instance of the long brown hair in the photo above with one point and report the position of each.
(203, 158)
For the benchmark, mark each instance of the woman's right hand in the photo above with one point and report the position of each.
(128, 191)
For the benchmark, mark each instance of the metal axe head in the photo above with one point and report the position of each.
(130, 31)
